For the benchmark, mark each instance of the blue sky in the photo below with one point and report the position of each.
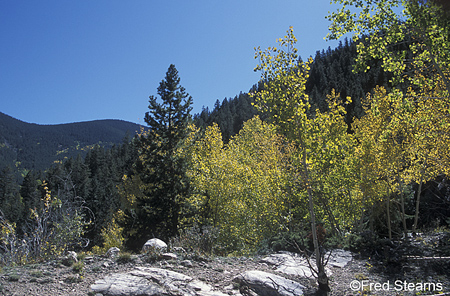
(67, 61)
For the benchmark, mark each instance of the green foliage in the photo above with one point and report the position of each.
(405, 128)
(55, 228)
(324, 157)
(239, 188)
(411, 40)
(13, 251)
(41, 145)
(78, 267)
(292, 241)
(58, 226)
(360, 242)
(229, 115)
(13, 277)
(124, 257)
(240, 184)
(160, 169)
(10, 199)
(198, 240)
(112, 237)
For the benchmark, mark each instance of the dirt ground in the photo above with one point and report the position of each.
(362, 276)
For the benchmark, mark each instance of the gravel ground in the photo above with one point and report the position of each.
(53, 278)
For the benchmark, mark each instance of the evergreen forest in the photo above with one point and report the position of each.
(350, 145)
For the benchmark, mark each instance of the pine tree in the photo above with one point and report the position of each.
(10, 200)
(29, 191)
(163, 168)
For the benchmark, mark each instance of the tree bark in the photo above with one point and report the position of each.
(322, 278)
(388, 212)
(416, 214)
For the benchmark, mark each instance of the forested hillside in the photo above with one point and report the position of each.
(28, 146)
(331, 69)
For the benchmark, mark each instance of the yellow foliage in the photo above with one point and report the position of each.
(323, 159)
(111, 236)
(239, 187)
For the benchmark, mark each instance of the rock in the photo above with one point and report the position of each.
(292, 264)
(70, 258)
(267, 284)
(339, 258)
(154, 244)
(169, 256)
(277, 259)
(147, 281)
(112, 252)
(72, 255)
(199, 286)
(187, 263)
(107, 263)
(179, 250)
(300, 270)
(126, 284)
(160, 274)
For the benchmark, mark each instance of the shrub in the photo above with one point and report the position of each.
(111, 236)
(152, 255)
(124, 258)
(444, 244)
(13, 250)
(54, 228)
(36, 273)
(78, 267)
(81, 256)
(58, 226)
(202, 240)
(292, 241)
(14, 277)
(74, 278)
(366, 242)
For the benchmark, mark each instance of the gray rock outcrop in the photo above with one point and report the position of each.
(293, 264)
(154, 244)
(113, 252)
(339, 258)
(210, 278)
(148, 281)
(267, 284)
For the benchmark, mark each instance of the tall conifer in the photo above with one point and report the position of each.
(164, 169)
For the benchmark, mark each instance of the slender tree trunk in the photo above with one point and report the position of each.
(361, 219)
(416, 214)
(402, 205)
(322, 277)
(334, 224)
(388, 212)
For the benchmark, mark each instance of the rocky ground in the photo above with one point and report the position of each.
(404, 276)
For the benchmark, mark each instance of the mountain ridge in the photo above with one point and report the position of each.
(36, 146)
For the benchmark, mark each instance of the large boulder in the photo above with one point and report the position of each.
(293, 264)
(119, 284)
(339, 258)
(154, 244)
(147, 281)
(112, 252)
(268, 284)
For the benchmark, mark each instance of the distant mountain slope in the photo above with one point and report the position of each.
(34, 146)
